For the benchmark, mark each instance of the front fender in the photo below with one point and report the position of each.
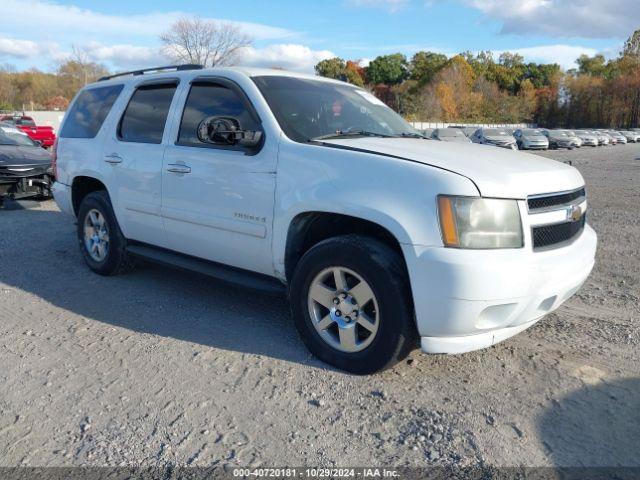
(399, 195)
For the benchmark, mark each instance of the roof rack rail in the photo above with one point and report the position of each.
(178, 68)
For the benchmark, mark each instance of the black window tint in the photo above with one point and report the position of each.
(146, 115)
(85, 117)
(208, 100)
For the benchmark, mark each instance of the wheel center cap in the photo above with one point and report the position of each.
(346, 309)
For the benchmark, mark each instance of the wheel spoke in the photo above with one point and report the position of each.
(94, 219)
(348, 337)
(340, 279)
(322, 294)
(362, 293)
(366, 322)
(325, 323)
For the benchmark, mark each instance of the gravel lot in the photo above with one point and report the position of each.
(161, 368)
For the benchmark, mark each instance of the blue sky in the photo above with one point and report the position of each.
(297, 34)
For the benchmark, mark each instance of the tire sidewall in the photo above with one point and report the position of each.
(394, 305)
(100, 201)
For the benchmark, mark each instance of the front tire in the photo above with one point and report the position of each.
(352, 304)
(101, 242)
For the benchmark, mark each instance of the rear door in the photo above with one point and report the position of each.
(217, 201)
(133, 152)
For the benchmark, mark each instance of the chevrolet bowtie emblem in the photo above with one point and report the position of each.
(574, 213)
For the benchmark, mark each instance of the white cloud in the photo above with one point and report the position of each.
(55, 19)
(124, 56)
(288, 56)
(563, 55)
(12, 48)
(389, 5)
(563, 18)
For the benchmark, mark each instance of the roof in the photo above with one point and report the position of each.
(197, 72)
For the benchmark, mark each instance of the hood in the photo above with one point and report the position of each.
(19, 155)
(535, 138)
(496, 172)
(455, 139)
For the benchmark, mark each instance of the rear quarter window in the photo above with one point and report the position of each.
(89, 111)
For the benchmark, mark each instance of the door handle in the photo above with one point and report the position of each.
(178, 168)
(113, 158)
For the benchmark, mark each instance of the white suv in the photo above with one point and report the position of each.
(382, 239)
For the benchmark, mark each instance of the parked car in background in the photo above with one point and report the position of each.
(43, 135)
(381, 239)
(617, 136)
(427, 132)
(450, 135)
(631, 136)
(575, 138)
(603, 139)
(498, 137)
(25, 167)
(559, 139)
(469, 131)
(588, 139)
(531, 139)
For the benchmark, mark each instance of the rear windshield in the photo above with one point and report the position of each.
(88, 112)
(13, 136)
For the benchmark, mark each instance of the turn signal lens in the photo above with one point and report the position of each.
(448, 222)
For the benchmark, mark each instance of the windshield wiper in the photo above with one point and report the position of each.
(355, 133)
(411, 135)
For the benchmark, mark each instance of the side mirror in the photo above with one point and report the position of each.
(227, 131)
(38, 143)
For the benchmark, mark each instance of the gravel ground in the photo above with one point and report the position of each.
(161, 368)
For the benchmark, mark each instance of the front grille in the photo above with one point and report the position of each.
(539, 203)
(554, 235)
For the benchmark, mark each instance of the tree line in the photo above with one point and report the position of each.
(478, 88)
(466, 88)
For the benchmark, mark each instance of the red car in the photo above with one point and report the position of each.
(44, 135)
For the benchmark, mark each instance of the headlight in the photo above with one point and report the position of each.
(474, 222)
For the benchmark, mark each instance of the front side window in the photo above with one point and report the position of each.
(146, 115)
(89, 111)
(307, 109)
(209, 100)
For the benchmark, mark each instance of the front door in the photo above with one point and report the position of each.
(217, 201)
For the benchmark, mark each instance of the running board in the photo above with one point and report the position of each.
(224, 273)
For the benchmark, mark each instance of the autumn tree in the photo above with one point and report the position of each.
(424, 65)
(330, 68)
(388, 69)
(444, 94)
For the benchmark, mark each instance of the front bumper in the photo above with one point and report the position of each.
(535, 145)
(471, 299)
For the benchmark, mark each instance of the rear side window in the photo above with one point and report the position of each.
(207, 100)
(88, 112)
(146, 115)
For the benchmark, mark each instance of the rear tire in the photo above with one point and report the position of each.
(100, 239)
(382, 326)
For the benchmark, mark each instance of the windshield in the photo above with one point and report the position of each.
(532, 132)
(13, 136)
(307, 109)
(496, 132)
(450, 133)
